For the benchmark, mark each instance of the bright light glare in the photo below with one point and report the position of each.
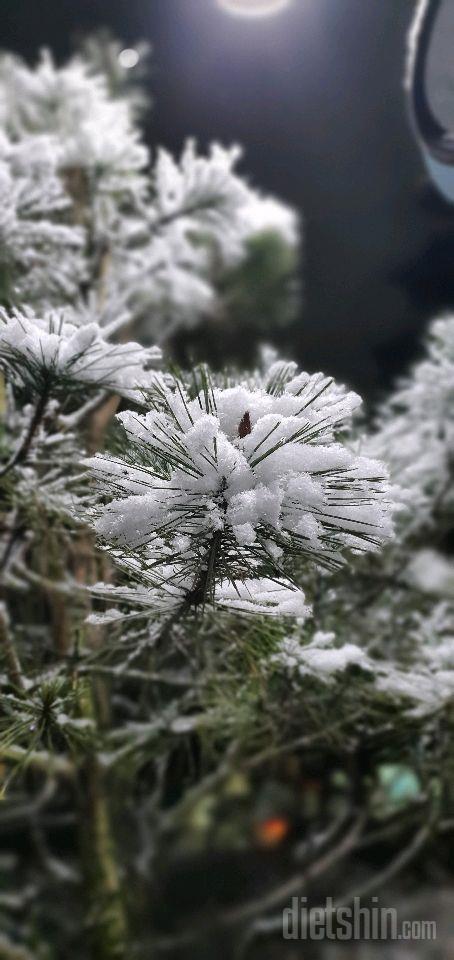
(253, 8)
(128, 58)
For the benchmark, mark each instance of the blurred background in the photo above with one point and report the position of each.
(315, 96)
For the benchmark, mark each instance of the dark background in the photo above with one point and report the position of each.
(316, 97)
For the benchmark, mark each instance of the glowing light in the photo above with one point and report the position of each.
(128, 58)
(270, 833)
(253, 8)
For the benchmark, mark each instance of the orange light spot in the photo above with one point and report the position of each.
(271, 832)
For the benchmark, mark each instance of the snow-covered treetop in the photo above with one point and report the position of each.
(235, 482)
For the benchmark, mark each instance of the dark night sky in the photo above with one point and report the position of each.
(315, 96)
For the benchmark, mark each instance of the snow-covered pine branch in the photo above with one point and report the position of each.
(196, 224)
(94, 131)
(55, 353)
(415, 433)
(51, 358)
(395, 618)
(417, 681)
(221, 487)
(150, 239)
(42, 250)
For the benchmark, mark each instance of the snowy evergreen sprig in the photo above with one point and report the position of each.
(153, 238)
(420, 683)
(73, 103)
(53, 353)
(415, 430)
(227, 485)
(42, 249)
(196, 223)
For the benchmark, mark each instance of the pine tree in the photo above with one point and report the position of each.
(200, 573)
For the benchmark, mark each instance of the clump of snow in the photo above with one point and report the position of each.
(431, 572)
(264, 597)
(112, 615)
(320, 658)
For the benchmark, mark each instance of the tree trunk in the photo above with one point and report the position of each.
(106, 916)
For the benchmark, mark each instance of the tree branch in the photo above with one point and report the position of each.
(23, 449)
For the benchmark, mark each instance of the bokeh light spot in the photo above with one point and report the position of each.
(128, 58)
